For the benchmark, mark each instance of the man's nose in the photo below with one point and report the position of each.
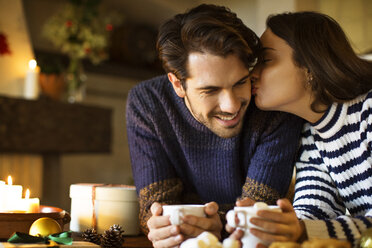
(229, 102)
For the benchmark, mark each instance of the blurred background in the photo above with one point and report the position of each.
(116, 52)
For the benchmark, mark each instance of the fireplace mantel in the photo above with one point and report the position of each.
(52, 128)
(47, 126)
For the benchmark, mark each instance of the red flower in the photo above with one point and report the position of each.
(109, 27)
(68, 23)
(4, 48)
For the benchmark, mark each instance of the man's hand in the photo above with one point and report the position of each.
(161, 232)
(193, 226)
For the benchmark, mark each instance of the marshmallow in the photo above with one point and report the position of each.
(260, 205)
(230, 243)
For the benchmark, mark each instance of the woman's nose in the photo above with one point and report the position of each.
(255, 73)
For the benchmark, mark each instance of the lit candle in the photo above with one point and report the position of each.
(31, 88)
(31, 205)
(12, 195)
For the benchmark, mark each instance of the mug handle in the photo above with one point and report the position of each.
(230, 217)
(175, 218)
(242, 216)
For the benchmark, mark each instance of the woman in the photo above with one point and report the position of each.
(309, 69)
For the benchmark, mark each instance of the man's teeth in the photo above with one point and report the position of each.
(228, 118)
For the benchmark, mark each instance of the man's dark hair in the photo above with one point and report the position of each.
(320, 45)
(205, 29)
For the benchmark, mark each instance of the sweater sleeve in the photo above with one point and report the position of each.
(154, 176)
(318, 203)
(271, 165)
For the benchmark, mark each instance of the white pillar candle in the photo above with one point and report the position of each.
(12, 195)
(104, 205)
(2, 196)
(31, 87)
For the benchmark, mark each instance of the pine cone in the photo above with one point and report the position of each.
(91, 235)
(113, 237)
(118, 228)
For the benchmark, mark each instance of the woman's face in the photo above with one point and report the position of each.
(280, 84)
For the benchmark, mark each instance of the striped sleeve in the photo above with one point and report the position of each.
(317, 201)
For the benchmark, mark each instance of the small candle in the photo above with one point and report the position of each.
(31, 205)
(31, 87)
(12, 194)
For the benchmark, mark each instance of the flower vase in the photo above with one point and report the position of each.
(52, 85)
(75, 80)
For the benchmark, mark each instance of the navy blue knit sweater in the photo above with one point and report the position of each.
(177, 159)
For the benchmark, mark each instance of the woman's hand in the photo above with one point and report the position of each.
(278, 226)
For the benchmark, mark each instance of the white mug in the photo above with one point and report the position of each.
(176, 212)
(244, 214)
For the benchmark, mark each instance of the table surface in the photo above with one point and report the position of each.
(137, 241)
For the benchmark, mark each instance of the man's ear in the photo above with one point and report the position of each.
(177, 85)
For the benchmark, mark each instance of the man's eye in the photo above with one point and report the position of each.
(209, 91)
(266, 60)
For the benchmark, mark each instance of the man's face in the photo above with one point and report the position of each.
(218, 92)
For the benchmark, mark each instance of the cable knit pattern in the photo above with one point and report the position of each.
(167, 143)
(334, 172)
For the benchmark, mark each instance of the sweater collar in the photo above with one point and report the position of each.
(331, 122)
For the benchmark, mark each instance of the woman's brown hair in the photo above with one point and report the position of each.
(320, 45)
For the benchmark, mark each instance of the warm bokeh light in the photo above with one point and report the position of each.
(32, 64)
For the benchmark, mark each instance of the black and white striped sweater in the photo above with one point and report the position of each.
(334, 172)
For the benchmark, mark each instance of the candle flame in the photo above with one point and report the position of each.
(27, 194)
(32, 64)
(10, 181)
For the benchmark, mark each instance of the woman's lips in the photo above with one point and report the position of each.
(254, 90)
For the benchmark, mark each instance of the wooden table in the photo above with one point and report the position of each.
(137, 241)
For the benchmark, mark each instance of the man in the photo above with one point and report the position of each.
(193, 135)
